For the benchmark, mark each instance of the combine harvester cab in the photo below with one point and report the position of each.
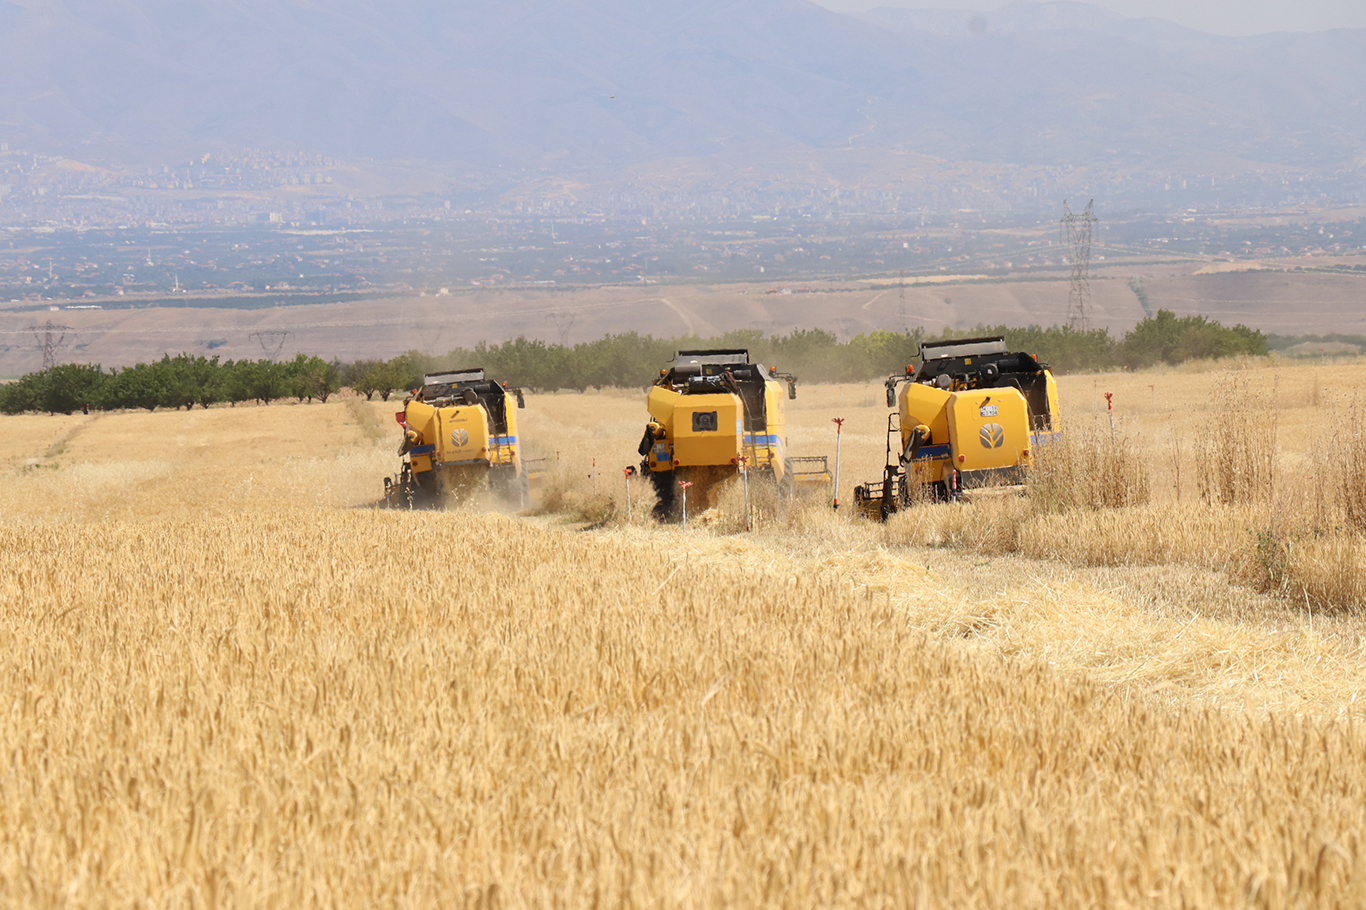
(710, 410)
(972, 415)
(458, 429)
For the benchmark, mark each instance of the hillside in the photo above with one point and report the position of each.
(566, 84)
(1287, 303)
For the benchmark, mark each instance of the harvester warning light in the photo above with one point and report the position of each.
(402, 418)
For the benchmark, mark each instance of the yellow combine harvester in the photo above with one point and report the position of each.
(458, 429)
(711, 412)
(971, 415)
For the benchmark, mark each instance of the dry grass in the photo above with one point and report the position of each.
(584, 499)
(1088, 469)
(1344, 471)
(292, 711)
(221, 687)
(1279, 511)
(1238, 443)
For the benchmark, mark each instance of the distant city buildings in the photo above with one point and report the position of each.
(301, 189)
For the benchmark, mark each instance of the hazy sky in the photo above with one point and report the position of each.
(1225, 17)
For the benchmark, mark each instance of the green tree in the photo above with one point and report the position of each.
(59, 390)
(1167, 338)
(317, 378)
(177, 380)
(410, 367)
(209, 380)
(308, 377)
(363, 376)
(1153, 340)
(138, 386)
(261, 380)
(23, 394)
(881, 353)
(402, 373)
(72, 387)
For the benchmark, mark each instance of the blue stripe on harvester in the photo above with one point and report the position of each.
(927, 453)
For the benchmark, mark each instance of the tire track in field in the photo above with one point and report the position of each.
(59, 444)
(687, 321)
(371, 427)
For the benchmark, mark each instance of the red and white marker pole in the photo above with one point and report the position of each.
(1110, 406)
(744, 474)
(839, 429)
(685, 484)
(629, 471)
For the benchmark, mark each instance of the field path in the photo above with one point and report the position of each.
(60, 444)
(874, 300)
(688, 325)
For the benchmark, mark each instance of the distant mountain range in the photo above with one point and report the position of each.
(567, 84)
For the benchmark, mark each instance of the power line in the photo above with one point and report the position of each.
(1076, 235)
(271, 341)
(51, 337)
(901, 285)
(564, 322)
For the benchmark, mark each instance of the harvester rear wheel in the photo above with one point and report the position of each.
(911, 492)
(509, 486)
(666, 503)
(422, 492)
(907, 493)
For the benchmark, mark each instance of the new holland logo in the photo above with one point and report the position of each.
(460, 437)
(993, 436)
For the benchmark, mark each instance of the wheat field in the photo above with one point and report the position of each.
(227, 683)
